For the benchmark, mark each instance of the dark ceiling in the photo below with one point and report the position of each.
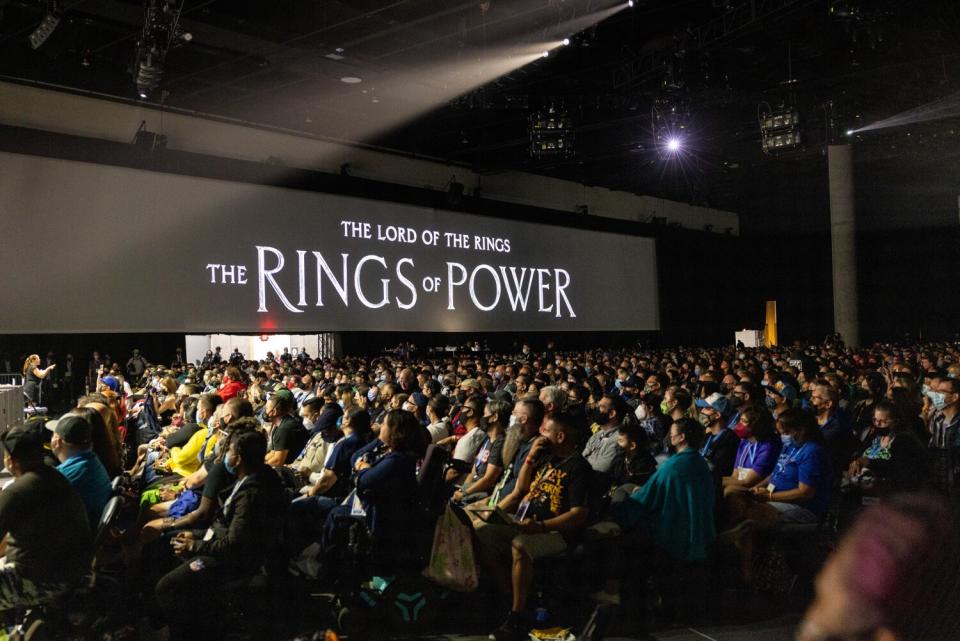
(840, 63)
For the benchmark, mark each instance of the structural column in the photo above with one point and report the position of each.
(844, 244)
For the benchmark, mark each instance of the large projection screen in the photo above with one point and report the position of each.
(97, 248)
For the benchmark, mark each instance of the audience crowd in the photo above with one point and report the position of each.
(243, 465)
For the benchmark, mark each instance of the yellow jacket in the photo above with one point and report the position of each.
(186, 460)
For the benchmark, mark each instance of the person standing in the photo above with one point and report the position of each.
(33, 377)
(136, 366)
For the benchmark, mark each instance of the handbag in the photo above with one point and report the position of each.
(452, 564)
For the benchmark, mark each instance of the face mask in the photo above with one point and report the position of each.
(230, 468)
(704, 420)
(771, 403)
(925, 390)
(514, 421)
(341, 404)
(603, 418)
(786, 439)
(735, 401)
(618, 384)
(309, 424)
(938, 399)
(697, 371)
(647, 389)
(339, 421)
(764, 365)
(371, 395)
(664, 407)
(641, 412)
(461, 397)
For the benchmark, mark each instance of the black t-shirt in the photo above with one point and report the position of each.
(490, 453)
(182, 435)
(289, 435)
(218, 479)
(634, 470)
(558, 486)
(49, 537)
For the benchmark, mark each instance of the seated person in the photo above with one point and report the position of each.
(72, 444)
(287, 434)
(467, 446)
(323, 430)
(199, 510)
(235, 547)
(102, 441)
(634, 464)
(758, 452)
(673, 510)
(720, 444)
(525, 421)
(184, 461)
(307, 514)
(48, 539)
(798, 490)
(386, 492)
(488, 466)
(439, 423)
(894, 460)
(551, 505)
(601, 448)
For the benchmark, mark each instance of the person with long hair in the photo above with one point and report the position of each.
(33, 377)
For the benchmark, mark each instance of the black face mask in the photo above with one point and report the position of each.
(461, 397)
(603, 418)
(735, 401)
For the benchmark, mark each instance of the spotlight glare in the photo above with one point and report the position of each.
(351, 80)
(546, 54)
(566, 41)
(673, 144)
(630, 3)
(849, 132)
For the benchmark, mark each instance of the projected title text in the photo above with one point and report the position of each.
(303, 278)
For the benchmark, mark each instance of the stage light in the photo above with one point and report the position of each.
(566, 41)
(780, 129)
(351, 80)
(849, 132)
(630, 3)
(43, 32)
(149, 74)
(546, 54)
(673, 144)
(551, 134)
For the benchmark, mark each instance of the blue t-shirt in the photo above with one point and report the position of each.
(807, 464)
(518, 459)
(91, 481)
(339, 464)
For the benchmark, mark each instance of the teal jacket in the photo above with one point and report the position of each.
(675, 506)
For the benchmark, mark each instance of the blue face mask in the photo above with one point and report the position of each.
(771, 403)
(341, 404)
(786, 439)
(226, 464)
(339, 421)
(618, 384)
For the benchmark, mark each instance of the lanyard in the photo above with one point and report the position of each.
(750, 450)
(706, 446)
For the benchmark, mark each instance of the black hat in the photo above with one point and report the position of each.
(72, 428)
(22, 442)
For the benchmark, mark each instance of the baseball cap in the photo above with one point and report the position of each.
(783, 389)
(72, 428)
(715, 401)
(22, 441)
(111, 382)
